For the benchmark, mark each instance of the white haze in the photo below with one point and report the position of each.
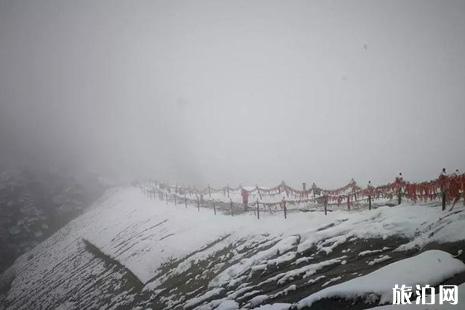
(217, 92)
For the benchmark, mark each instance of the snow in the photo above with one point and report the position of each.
(286, 291)
(306, 271)
(135, 227)
(198, 300)
(228, 305)
(145, 234)
(430, 267)
(368, 252)
(276, 306)
(380, 259)
(446, 227)
(258, 300)
(380, 223)
(445, 306)
(287, 257)
(282, 246)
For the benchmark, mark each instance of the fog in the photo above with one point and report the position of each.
(250, 92)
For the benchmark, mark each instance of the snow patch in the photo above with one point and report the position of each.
(430, 267)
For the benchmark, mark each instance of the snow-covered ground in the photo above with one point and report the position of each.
(430, 267)
(414, 306)
(131, 251)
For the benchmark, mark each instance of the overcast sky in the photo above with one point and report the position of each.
(235, 91)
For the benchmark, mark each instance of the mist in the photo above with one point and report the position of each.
(234, 92)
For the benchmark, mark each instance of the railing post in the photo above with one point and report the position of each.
(443, 198)
(214, 207)
(231, 206)
(326, 204)
(198, 204)
(258, 210)
(348, 202)
(185, 200)
(284, 209)
(369, 202)
(175, 199)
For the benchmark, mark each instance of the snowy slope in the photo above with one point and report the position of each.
(129, 251)
(35, 204)
(409, 271)
(461, 298)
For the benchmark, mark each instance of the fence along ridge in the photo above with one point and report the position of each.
(447, 188)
